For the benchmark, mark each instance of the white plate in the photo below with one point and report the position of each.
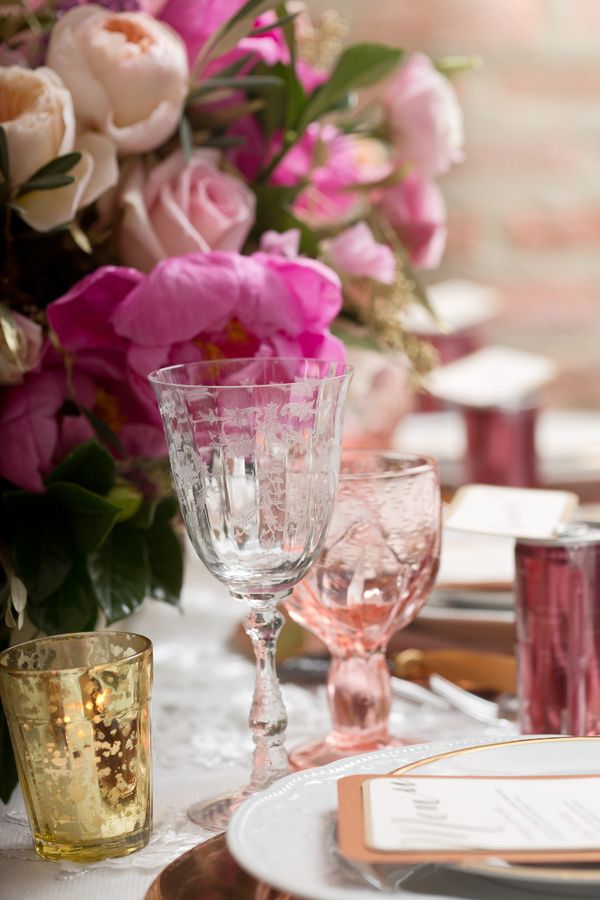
(284, 835)
(541, 756)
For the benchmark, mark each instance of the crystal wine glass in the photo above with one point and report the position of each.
(254, 446)
(379, 561)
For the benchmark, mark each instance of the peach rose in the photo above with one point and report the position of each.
(127, 73)
(183, 207)
(36, 111)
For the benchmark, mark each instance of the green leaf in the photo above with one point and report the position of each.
(357, 67)
(167, 507)
(186, 138)
(41, 543)
(58, 166)
(45, 183)
(120, 572)
(237, 82)
(144, 517)
(166, 561)
(127, 497)
(225, 141)
(273, 212)
(102, 430)
(279, 23)
(4, 155)
(231, 33)
(8, 767)
(250, 9)
(91, 517)
(235, 66)
(294, 96)
(450, 66)
(73, 607)
(88, 465)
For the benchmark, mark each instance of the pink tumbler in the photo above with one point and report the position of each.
(558, 632)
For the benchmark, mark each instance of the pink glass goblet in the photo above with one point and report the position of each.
(371, 579)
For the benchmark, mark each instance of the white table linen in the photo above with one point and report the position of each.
(201, 745)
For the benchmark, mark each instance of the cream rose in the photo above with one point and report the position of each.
(37, 114)
(20, 345)
(127, 73)
(183, 207)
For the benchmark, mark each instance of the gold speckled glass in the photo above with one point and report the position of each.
(78, 712)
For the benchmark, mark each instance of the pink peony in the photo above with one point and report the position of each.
(118, 325)
(326, 159)
(29, 428)
(183, 206)
(424, 117)
(355, 252)
(416, 210)
(197, 20)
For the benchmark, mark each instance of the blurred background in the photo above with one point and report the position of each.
(524, 207)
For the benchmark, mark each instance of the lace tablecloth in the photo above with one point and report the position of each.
(202, 694)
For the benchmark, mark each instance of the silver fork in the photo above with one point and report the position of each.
(472, 705)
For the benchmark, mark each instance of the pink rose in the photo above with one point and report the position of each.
(20, 346)
(127, 74)
(29, 429)
(355, 252)
(183, 207)
(424, 117)
(416, 210)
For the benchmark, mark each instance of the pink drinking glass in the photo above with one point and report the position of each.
(371, 579)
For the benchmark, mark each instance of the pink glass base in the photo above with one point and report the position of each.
(324, 751)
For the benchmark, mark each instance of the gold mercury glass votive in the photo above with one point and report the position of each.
(77, 707)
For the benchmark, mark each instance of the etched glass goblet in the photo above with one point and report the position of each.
(255, 446)
(379, 561)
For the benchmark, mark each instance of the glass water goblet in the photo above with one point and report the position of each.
(372, 578)
(254, 446)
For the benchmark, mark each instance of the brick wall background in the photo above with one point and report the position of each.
(524, 208)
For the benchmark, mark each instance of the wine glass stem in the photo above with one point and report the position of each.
(359, 699)
(268, 718)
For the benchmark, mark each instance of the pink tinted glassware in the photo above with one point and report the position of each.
(558, 632)
(380, 558)
(501, 445)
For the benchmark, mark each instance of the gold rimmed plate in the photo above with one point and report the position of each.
(536, 756)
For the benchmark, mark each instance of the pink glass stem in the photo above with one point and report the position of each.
(268, 718)
(359, 700)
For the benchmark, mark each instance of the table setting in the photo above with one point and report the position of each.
(299, 580)
(269, 499)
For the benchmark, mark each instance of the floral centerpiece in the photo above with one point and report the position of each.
(182, 180)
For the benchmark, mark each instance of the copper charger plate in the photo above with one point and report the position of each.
(208, 871)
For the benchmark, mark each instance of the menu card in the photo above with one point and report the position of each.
(493, 376)
(425, 818)
(508, 511)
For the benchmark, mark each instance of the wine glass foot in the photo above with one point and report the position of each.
(327, 750)
(214, 814)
